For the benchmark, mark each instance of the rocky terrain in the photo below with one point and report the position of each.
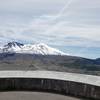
(15, 61)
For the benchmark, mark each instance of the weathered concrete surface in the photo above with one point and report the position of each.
(27, 95)
(57, 82)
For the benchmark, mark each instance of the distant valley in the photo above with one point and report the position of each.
(15, 61)
(17, 56)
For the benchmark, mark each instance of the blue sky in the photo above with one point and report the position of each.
(72, 26)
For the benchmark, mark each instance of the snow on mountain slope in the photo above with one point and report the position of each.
(12, 47)
(40, 48)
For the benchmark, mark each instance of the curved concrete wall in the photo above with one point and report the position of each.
(63, 86)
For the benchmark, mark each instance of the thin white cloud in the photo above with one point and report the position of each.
(55, 21)
(58, 33)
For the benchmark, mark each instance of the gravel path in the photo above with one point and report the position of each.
(33, 96)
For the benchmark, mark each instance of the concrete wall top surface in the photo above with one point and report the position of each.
(81, 78)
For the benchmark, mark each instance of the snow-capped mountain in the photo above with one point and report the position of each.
(12, 47)
(40, 48)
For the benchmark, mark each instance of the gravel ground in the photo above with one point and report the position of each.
(33, 96)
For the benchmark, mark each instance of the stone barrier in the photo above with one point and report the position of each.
(49, 84)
